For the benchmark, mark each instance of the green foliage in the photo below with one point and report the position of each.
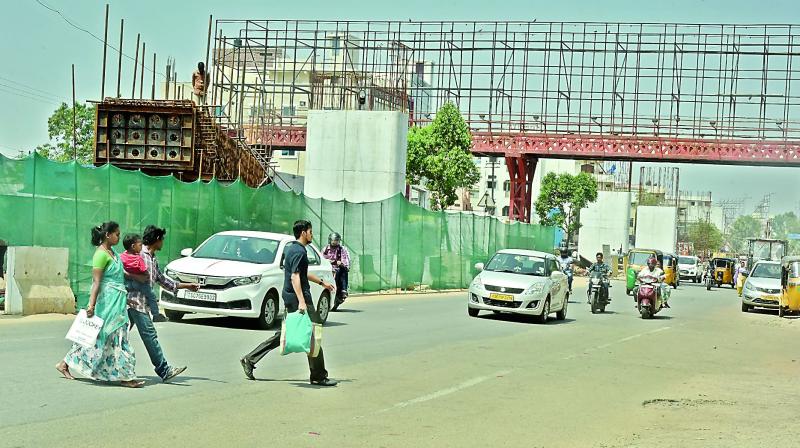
(782, 226)
(59, 129)
(561, 199)
(649, 199)
(440, 155)
(706, 237)
(743, 228)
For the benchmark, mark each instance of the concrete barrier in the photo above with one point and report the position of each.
(38, 281)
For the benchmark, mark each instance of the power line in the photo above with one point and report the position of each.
(33, 94)
(29, 87)
(12, 92)
(78, 27)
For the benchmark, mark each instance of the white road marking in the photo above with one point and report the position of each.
(444, 392)
(619, 341)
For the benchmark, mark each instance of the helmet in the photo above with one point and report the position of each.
(652, 261)
(334, 238)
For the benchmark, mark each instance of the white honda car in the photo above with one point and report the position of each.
(240, 275)
(520, 282)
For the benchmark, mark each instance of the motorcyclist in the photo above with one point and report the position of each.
(602, 268)
(339, 257)
(566, 262)
(654, 275)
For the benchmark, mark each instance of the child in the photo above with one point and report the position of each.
(133, 263)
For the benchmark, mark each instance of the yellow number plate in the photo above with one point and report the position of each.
(771, 298)
(506, 297)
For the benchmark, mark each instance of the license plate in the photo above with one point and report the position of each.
(770, 298)
(205, 296)
(504, 297)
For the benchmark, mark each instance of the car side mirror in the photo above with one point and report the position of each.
(187, 252)
(479, 267)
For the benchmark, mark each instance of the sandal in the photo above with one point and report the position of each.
(63, 368)
(133, 384)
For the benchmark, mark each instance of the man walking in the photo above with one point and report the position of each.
(138, 308)
(296, 296)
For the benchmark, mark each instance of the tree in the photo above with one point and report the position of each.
(784, 224)
(59, 129)
(705, 237)
(562, 198)
(439, 155)
(743, 228)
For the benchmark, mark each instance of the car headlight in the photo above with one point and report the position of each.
(536, 288)
(477, 283)
(241, 281)
(170, 273)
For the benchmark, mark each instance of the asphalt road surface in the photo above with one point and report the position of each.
(416, 371)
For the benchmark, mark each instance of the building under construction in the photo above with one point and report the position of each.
(700, 93)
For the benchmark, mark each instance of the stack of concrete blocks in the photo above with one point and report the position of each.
(38, 282)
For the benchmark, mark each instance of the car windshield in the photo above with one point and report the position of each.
(238, 248)
(686, 260)
(766, 270)
(639, 258)
(721, 263)
(517, 264)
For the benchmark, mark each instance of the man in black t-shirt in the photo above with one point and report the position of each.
(295, 285)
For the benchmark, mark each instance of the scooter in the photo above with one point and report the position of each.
(648, 300)
(598, 292)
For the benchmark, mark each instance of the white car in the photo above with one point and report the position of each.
(520, 282)
(240, 275)
(762, 287)
(690, 269)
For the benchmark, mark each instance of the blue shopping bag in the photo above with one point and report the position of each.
(296, 333)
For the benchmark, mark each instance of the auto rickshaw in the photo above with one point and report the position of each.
(721, 272)
(635, 261)
(790, 286)
(669, 264)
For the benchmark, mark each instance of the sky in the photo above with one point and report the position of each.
(38, 46)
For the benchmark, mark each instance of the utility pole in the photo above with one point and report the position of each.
(74, 132)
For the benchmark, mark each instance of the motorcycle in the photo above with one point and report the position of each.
(341, 294)
(598, 292)
(648, 300)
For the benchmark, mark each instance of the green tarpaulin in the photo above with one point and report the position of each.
(393, 244)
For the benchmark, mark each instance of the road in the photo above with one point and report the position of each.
(416, 371)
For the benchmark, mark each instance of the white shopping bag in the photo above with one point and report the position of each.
(84, 330)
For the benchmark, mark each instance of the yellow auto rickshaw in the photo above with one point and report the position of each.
(635, 261)
(669, 264)
(721, 272)
(790, 286)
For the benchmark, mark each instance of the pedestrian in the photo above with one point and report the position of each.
(111, 358)
(140, 308)
(296, 296)
(200, 81)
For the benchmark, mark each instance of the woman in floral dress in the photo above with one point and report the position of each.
(111, 358)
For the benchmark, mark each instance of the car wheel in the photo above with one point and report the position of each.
(324, 306)
(269, 311)
(745, 308)
(174, 316)
(562, 314)
(542, 318)
(473, 312)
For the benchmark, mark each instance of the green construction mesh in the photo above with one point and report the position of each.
(393, 244)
